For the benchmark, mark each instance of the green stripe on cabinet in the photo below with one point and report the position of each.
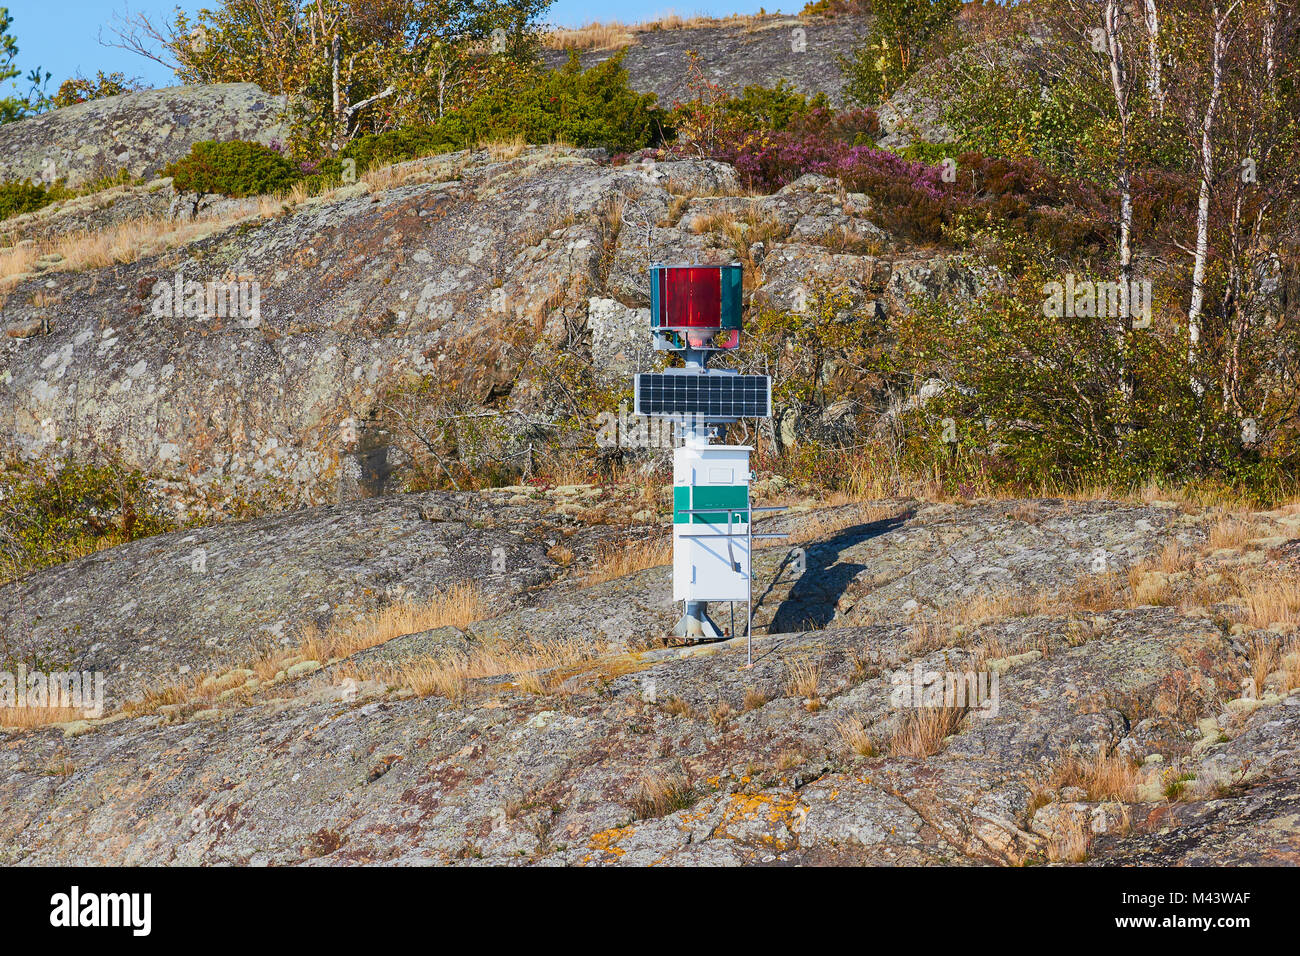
(710, 496)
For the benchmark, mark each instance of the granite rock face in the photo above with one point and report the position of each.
(163, 607)
(799, 50)
(138, 133)
(645, 753)
(271, 387)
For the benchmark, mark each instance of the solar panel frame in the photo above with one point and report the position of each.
(712, 396)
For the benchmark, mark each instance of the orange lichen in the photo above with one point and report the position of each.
(606, 841)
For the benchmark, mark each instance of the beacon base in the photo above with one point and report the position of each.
(696, 625)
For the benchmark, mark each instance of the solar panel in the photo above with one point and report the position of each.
(712, 395)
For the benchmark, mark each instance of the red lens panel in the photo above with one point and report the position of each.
(692, 298)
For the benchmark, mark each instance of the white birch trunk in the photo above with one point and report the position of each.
(1119, 81)
(1203, 200)
(1270, 32)
(1155, 87)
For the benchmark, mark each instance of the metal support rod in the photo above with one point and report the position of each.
(749, 606)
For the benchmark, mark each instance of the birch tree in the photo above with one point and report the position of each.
(1155, 87)
(1221, 19)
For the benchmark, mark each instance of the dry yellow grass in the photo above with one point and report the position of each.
(1263, 657)
(189, 693)
(120, 243)
(988, 607)
(450, 676)
(741, 232)
(134, 239)
(1106, 777)
(564, 469)
(18, 261)
(1275, 602)
(504, 149)
(869, 478)
(924, 731)
(560, 554)
(659, 796)
(803, 679)
(1291, 665)
(1146, 589)
(1096, 592)
(855, 737)
(25, 718)
(1189, 497)
(591, 36)
(384, 178)
(623, 558)
(848, 241)
(1070, 845)
(721, 713)
(754, 698)
(613, 35)
(789, 759)
(936, 629)
(1173, 558)
(274, 204)
(676, 707)
(458, 606)
(927, 634)
(825, 523)
(409, 171)
(991, 649)
(1229, 532)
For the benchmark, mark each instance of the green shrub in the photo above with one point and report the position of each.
(395, 146)
(234, 168)
(80, 89)
(17, 198)
(772, 107)
(61, 511)
(595, 107)
(591, 108)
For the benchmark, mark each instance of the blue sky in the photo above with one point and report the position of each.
(62, 35)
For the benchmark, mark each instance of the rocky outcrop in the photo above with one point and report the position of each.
(136, 133)
(157, 609)
(273, 396)
(799, 50)
(645, 753)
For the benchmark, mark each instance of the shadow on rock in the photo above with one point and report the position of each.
(810, 603)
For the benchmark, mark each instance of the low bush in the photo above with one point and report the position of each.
(81, 89)
(595, 107)
(233, 168)
(56, 512)
(811, 141)
(17, 198)
(915, 198)
(398, 145)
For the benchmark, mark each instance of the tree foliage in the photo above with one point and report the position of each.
(80, 89)
(14, 108)
(900, 35)
(358, 65)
